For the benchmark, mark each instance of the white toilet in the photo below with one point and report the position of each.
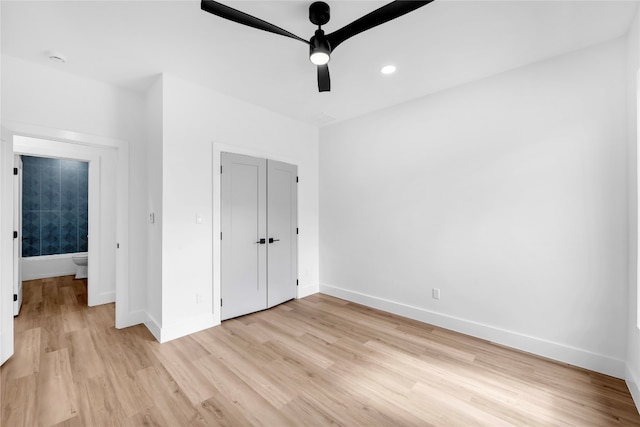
(81, 260)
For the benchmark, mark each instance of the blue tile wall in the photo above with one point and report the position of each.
(55, 208)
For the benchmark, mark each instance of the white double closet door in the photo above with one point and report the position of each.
(259, 234)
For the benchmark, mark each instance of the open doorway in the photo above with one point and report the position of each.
(100, 240)
(51, 216)
(108, 161)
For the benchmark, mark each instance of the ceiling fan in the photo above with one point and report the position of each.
(320, 45)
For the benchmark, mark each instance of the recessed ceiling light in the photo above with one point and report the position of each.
(388, 69)
(57, 57)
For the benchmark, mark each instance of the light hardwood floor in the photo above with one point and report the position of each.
(314, 361)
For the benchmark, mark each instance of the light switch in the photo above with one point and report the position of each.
(152, 218)
(198, 219)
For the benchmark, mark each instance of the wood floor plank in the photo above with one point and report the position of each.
(98, 403)
(324, 390)
(35, 291)
(85, 361)
(27, 355)
(74, 320)
(177, 357)
(29, 318)
(265, 383)
(311, 362)
(148, 418)
(67, 297)
(251, 337)
(52, 336)
(50, 306)
(133, 398)
(219, 410)
(250, 402)
(56, 398)
(18, 403)
(170, 402)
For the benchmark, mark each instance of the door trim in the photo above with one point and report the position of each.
(124, 317)
(17, 227)
(6, 246)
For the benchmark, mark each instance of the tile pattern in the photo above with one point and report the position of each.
(55, 206)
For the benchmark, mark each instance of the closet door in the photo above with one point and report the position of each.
(282, 223)
(244, 258)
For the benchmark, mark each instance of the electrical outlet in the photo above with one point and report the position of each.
(435, 293)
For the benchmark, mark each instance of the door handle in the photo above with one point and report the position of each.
(262, 241)
(271, 240)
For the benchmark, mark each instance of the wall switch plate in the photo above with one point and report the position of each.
(435, 293)
(198, 219)
(152, 218)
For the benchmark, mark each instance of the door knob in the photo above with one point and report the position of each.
(271, 240)
(262, 241)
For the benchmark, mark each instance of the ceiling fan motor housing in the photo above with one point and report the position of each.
(319, 13)
(319, 44)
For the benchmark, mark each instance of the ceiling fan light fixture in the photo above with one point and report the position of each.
(319, 50)
(319, 57)
(388, 69)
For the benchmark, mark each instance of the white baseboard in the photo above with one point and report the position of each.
(44, 267)
(632, 382)
(305, 291)
(104, 298)
(177, 330)
(153, 326)
(28, 277)
(552, 350)
(131, 319)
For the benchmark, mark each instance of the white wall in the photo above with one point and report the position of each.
(633, 339)
(45, 97)
(197, 124)
(508, 194)
(154, 204)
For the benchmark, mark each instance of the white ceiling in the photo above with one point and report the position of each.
(444, 44)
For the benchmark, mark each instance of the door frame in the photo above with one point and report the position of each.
(35, 147)
(71, 139)
(219, 148)
(17, 226)
(6, 246)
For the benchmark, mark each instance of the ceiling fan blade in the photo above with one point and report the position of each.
(324, 81)
(377, 17)
(234, 15)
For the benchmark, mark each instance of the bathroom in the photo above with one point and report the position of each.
(54, 217)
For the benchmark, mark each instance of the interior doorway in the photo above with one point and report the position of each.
(259, 234)
(101, 202)
(110, 172)
(51, 218)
